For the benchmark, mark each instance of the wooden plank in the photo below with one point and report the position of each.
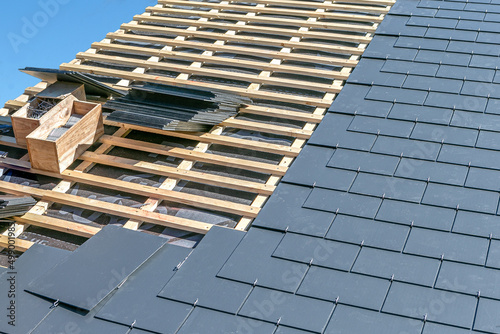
(244, 50)
(56, 224)
(319, 5)
(188, 83)
(267, 128)
(105, 207)
(209, 72)
(13, 104)
(20, 244)
(241, 38)
(191, 155)
(281, 113)
(308, 71)
(199, 177)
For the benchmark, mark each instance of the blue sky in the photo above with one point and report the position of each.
(46, 33)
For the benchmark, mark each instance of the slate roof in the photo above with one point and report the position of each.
(386, 223)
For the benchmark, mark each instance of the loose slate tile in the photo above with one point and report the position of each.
(433, 84)
(404, 267)
(464, 198)
(431, 328)
(415, 301)
(475, 120)
(454, 247)
(440, 57)
(390, 187)
(436, 22)
(477, 224)
(432, 171)
(401, 95)
(381, 47)
(347, 203)
(494, 255)
(459, 277)
(286, 203)
(452, 101)
(324, 253)
(485, 61)
(488, 315)
(310, 169)
(483, 179)
(412, 68)
(368, 73)
(30, 309)
(252, 262)
(420, 215)
(364, 162)
(196, 281)
(381, 126)
(445, 134)
(351, 289)
(295, 311)
(203, 321)
(349, 102)
(476, 48)
(407, 148)
(369, 232)
(127, 305)
(467, 73)
(459, 14)
(346, 320)
(465, 155)
(422, 114)
(332, 133)
(449, 34)
(489, 140)
(421, 43)
(82, 282)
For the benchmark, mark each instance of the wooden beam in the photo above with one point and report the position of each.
(56, 224)
(267, 128)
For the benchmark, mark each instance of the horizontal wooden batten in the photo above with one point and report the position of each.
(18, 245)
(57, 224)
(282, 113)
(267, 128)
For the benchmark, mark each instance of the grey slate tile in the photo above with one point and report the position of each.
(415, 301)
(203, 321)
(436, 22)
(431, 328)
(454, 247)
(476, 48)
(381, 126)
(351, 289)
(488, 37)
(432, 171)
(494, 255)
(369, 232)
(451, 34)
(493, 106)
(350, 102)
(440, 57)
(480, 89)
(421, 215)
(310, 168)
(332, 133)
(290, 330)
(445, 134)
(82, 282)
(485, 61)
(407, 148)
(493, 17)
(286, 203)
(368, 73)
(474, 120)
(404, 267)
(196, 281)
(421, 43)
(467, 73)
(488, 315)
(409, 8)
(465, 198)
(364, 161)
(421, 113)
(477, 224)
(347, 320)
(396, 26)
(390, 187)
(252, 262)
(441, 4)
(382, 47)
(465, 155)
(478, 26)
(347, 203)
(459, 14)
(461, 102)
(486, 179)
(483, 7)
(433, 84)
(294, 311)
(413, 68)
(128, 304)
(401, 95)
(459, 277)
(324, 253)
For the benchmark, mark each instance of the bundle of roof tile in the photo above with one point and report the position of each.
(15, 206)
(174, 108)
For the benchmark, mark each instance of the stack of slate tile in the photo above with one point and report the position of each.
(15, 206)
(174, 108)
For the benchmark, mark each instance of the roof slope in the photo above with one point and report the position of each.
(387, 221)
